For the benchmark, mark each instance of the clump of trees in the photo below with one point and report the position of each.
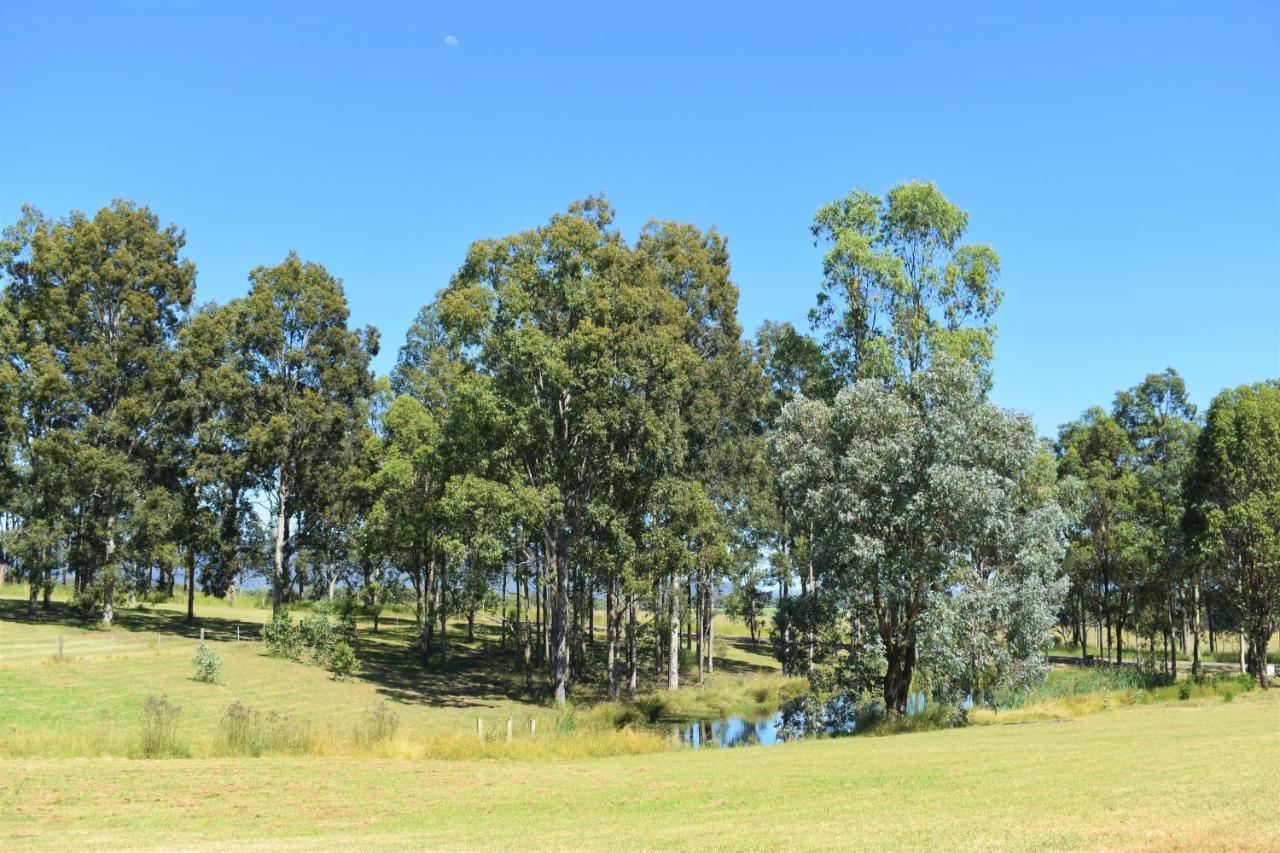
(1173, 516)
(576, 422)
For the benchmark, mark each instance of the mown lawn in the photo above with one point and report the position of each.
(1189, 777)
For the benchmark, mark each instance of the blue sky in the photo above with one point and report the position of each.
(1123, 158)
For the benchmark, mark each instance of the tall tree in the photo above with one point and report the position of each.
(546, 312)
(311, 384)
(899, 285)
(102, 299)
(1161, 424)
(921, 521)
(1105, 556)
(1235, 494)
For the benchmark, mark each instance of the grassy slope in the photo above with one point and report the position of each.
(89, 705)
(1160, 777)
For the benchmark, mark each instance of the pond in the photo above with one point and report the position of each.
(770, 729)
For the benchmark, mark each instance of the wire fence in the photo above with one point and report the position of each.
(70, 647)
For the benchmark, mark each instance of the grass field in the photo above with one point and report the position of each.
(1079, 766)
(1185, 777)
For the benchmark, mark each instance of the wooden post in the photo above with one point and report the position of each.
(202, 636)
(508, 729)
(479, 728)
(237, 635)
(59, 648)
(533, 726)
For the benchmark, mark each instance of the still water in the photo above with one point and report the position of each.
(764, 731)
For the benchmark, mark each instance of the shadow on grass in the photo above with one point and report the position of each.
(142, 618)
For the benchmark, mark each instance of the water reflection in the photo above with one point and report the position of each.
(799, 719)
(730, 731)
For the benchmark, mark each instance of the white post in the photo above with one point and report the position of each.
(59, 648)
(237, 635)
(508, 729)
(202, 636)
(533, 726)
(479, 728)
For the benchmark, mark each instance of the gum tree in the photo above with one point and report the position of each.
(1235, 497)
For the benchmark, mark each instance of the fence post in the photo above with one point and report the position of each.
(533, 726)
(479, 728)
(202, 636)
(59, 648)
(508, 729)
(237, 635)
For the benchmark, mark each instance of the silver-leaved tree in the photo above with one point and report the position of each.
(935, 532)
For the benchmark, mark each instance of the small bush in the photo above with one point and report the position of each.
(318, 635)
(342, 660)
(379, 725)
(1184, 690)
(208, 665)
(1228, 694)
(159, 727)
(282, 637)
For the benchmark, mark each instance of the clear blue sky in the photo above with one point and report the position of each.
(1123, 158)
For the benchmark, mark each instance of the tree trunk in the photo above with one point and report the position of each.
(698, 623)
(108, 589)
(611, 637)
(901, 660)
(631, 646)
(442, 607)
(280, 580)
(558, 556)
(526, 651)
(673, 651)
(811, 612)
(711, 631)
(191, 585)
(1195, 629)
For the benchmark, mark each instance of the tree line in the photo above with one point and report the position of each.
(576, 421)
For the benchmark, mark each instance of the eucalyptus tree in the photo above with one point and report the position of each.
(1109, 547)
(794, 365)
(721, 406)
(1161, 424)
(899, 285)
(100, 300)
(310, 381)
(1235, 499)
(549, 312)
(923, 527)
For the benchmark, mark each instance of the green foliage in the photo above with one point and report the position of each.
(1235, 490)
(159, 727)
(282, 637)
(342, 660)
(208, 665)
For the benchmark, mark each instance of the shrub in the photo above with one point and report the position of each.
(1184, 690)
(316, 633)
(159, 727)
(1228, 695)
(379, 725)
(282, 637)
(208, 665)
(342, 660)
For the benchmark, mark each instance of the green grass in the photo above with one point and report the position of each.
(1191, 776)
(317, 769)
(89, 704)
